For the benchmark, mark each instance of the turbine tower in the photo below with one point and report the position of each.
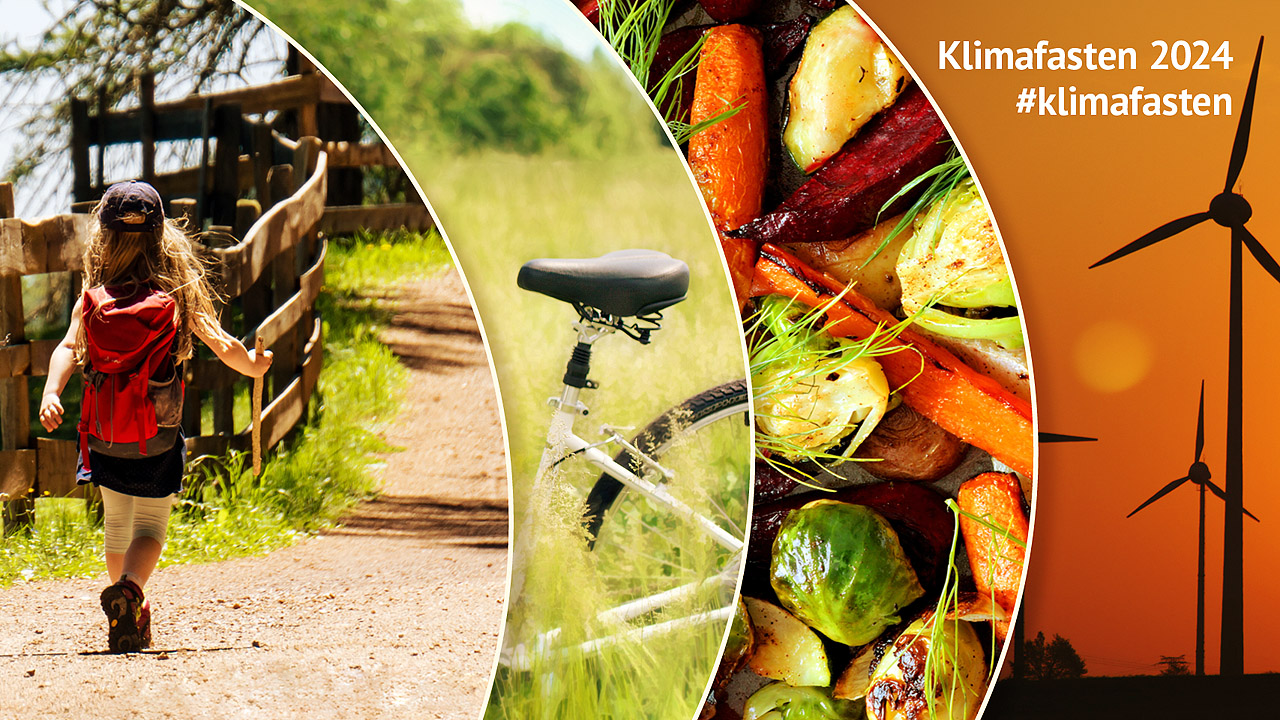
(1231, 210)
(1199, 474)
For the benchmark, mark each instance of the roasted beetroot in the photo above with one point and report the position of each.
(845, 196)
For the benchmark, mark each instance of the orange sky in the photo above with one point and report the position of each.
(1119, 351)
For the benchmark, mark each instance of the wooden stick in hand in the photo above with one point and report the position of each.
(259, 347)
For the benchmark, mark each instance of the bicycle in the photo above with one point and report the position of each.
(647, 494)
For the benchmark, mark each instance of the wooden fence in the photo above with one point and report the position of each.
(272, 277)
(281, 196)
(244, 145)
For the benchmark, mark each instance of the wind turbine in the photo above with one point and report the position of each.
(1199, 474)
(1231, 210)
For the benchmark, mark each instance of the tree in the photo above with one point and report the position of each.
(94, 50)
(1174, 665)
(437, 83)
(1052, 660)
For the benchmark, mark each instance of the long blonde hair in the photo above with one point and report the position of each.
(163, 258)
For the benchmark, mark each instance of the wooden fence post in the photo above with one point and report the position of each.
(305, 159)
(247, 213)
(184, 208)
(226, 164)
(263, 149)
(256, 299)
(79, 150)
(15, 411)
(101, 140)
(147, 114)
(338, 122)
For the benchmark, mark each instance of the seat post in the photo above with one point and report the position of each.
(575, 374)
(579, 365)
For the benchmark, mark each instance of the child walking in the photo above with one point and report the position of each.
(146, 295)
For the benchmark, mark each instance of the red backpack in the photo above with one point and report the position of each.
(129, 399)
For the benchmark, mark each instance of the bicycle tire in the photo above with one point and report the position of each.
(717, 403)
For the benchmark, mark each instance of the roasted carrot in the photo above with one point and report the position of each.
(995, 559)
(729, 158)
(932, 381)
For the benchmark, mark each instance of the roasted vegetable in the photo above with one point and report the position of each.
(954, 260)
(728, 10)
(816, 397)
(840, 569)
(909, 446)
(781, 702)
(782, 40)
(590, 9)
(917, 514)
(854, 682)
(740, 645)
(848, 194)
(855, 260)
(772, 483)
(818, 405)
(996, 557)
(729, 158)
(673, 47)
(785, 648)
(846, 75)
(930, 672)
(932, 380)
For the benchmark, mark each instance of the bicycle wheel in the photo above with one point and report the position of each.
(705, 443)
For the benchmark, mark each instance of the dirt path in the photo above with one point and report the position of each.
(395, 614)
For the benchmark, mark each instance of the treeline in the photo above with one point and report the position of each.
(462, 88)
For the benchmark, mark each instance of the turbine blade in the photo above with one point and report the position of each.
(1166, 230)
(1200, 425)
(1241, 145)
(1222, 495)
(1260, 253)
(1163, 491)
(1048, 437)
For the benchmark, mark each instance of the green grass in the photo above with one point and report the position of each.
(308, 481)
(500, 211)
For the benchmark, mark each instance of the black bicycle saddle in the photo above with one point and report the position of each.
(623, 283)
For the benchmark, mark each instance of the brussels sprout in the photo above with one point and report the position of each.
(954, 260)
(956, 679)
(812, 391)
(779, 701)
(840, 569)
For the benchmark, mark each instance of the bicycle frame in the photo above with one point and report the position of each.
(563, 443)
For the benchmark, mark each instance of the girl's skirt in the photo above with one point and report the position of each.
(152, 476)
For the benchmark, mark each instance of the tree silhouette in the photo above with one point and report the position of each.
(1174, 665)
(1051, 660)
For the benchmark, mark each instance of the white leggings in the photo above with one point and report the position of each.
(126, 518)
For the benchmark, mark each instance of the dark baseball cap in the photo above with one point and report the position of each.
(131, 206)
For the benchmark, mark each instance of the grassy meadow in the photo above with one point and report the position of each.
(500, 211)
